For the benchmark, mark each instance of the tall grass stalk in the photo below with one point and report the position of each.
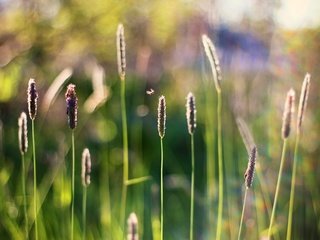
(72, 184)
(286, 128)
(192, 187)
(277, 188)
(121, 57)
(32, 107)
(292, 190)
(242, 214)
(72, 112)
(220, 165)
(85, 176)
(23, 145)
(161, 131)
(84, 212)
(210, 163)
(191, 122)
(301, 109)
(23, 179)
(34, 180)
(161, 189)
(212, 55)
(248, 176)
(125, 153)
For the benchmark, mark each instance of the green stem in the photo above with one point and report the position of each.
(23, 178)
(242, 214)
(137, 180)
(125, 154)
(293, 183)
(210, 164)
(34, 181)
(278, 187)
(192, 188)
(220, 203)
(161, 190)
(72, 184)
(84, 211)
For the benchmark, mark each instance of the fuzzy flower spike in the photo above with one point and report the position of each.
(72, 105)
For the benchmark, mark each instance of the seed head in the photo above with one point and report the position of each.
(23, 133)
(212, 55)
(72, 105)
(191, 113)
(303, 100)
(162, 116)
(249, 174)
(132, 227)
(287, 114)
(121, 52)
(32, 98)
(86, 167)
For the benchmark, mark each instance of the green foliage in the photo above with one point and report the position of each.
(164, 53)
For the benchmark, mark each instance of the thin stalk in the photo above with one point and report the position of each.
(210, 165)
(293, 183)
(84, 212)
(161, 190)
(72, 184)
(23, 178)
(125, 154)
(278, 187)
(242, 214)
(192, 188)
(137, 180)
(220, 203)
(34, 181)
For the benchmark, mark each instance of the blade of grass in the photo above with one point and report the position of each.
(242, 214)
(192, 187)
(270, 231)
(220, 164)
(35, 210)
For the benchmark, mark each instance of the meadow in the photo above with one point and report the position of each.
(143, 124)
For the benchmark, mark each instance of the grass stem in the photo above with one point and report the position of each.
(292, 190)
(23, 178)
(220, 166)
(277, 187)
(161, 190)
(72, 184)
(125, 154)
(242, 214)
(192, 188)
(84, 212)
(34, 180)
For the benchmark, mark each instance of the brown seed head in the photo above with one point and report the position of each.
(121, 52)
(32, 99)
(72, 105)
(287, 114)
(249, 174)
(303, 100)
(162, 116)
(191, 113)
(86, 167)
(212, 55)
(23, 133)
(132, 227)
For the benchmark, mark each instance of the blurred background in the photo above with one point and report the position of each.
(265, 48)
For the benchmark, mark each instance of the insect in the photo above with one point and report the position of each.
(150, 91)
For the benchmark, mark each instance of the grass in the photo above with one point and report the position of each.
(242, 213)
(111, 195)
(302, 107)
(35, 209)
(72, 183)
